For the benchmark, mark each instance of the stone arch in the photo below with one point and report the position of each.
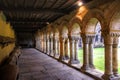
(63, 29)
(75, 25)
(56, 32)
(111, 10)
(91, 18)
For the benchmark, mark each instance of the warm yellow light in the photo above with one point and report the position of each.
(80, 3)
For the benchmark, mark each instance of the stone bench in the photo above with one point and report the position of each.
(9, 69)
(8, 72)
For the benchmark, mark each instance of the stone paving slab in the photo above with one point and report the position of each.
(35, 65)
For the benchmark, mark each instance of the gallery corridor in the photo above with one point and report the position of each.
(35, 65)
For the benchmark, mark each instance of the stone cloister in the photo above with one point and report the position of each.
(60, 39)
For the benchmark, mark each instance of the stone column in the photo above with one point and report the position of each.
(72, 41)
(51, 48)
(58, 47)
(66, 49)
(108, 41)
(55, 47)
(91, 40)
(115, 56)
(76, 51)
(85, 53)
(45, 46)
(48, 46)
(62, 42)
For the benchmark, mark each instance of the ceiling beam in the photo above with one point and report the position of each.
(27, 20)
(33, 10)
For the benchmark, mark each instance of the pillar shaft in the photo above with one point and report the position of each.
(71, 51)
(61, 49)
(48, 46)
(55, 47)
(108, 74)
(115, 56)
(51, 48)
(91, 40)
(85, 53)
(67, 49)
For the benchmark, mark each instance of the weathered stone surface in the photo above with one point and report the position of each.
(35, 65)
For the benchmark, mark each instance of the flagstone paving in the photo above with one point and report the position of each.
(34, 65)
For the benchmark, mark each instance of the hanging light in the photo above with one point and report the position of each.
(80, 3)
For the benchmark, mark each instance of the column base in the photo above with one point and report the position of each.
(74, 62)
(116, 74)
(92, 66)
(108, 77)
(85, 68)
(66, 57)
(61, 58)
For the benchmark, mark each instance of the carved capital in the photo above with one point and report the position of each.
(88, 38)
(108, 39)
(116, 40)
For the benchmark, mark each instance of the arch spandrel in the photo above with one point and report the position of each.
(115, 22)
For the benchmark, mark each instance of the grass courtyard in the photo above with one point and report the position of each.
(98, 58)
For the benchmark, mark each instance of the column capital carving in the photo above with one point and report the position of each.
(108, 39)
(116, 40)
(88, 38)
(115, 33)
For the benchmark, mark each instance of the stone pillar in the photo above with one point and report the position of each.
(58, 47)
(45, 46)
(51, 47)
(48, 46)
(85, 53)
(76, 51)
(55, 47)
(66, 49)
(72, 41)
(91, 40)
(62, 42)
(108, 41)
(115, 56)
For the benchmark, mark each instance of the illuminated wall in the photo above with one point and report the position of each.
(7, 38)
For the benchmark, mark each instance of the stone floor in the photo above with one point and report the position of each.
(35, 65)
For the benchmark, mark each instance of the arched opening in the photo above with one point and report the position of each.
(64, 45)
(56, 43)
(75, 31)
(51, 43)
(115, 27)
(96, 57)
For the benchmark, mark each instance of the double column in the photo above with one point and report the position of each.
(51, 46)
(47, 47)
(62, 48)
(108, 42)
(55, 47)
(115, 56)
(88, 40)
(111, 58)
(73, 50)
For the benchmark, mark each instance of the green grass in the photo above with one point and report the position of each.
(98, 58)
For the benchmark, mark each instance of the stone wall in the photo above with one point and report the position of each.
(7, 38)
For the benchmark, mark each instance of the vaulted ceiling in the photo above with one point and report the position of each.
(30, 15)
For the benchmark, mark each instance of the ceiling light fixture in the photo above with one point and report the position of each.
(80, 3)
